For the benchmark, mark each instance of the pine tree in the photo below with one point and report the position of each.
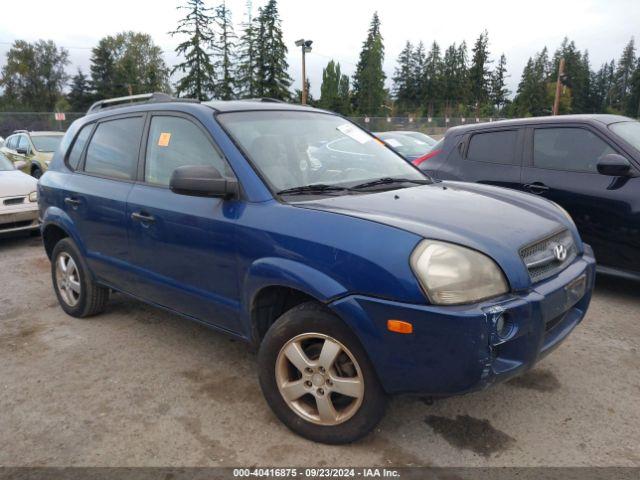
(272, 79)
(479, 74)
(532, 97)
(499, 91)
(80, 96)
(247, 55)
(432, 91)
(344, 95)
(224, 53)
(623, 74)
(418, 65)
(103, 68)
(368, 81)
(200, 75)
(330, 88)
(577, 73)
(404, 87)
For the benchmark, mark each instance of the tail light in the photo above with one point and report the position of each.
(426, 157)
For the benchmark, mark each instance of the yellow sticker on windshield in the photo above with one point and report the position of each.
(164, 139)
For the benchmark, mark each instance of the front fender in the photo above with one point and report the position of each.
(282, 272)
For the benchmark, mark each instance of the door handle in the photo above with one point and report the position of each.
(537, 188)
(142, 217)
(73, 202)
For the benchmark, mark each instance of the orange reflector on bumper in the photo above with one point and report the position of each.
(399, 326)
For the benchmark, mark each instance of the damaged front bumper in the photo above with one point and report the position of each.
(458, 349)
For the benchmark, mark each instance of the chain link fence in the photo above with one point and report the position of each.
(34, 121)
(433, 126)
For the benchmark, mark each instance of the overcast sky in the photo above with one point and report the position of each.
(338, 27)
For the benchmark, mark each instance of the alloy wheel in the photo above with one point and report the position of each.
(319, 379)
(68, 279)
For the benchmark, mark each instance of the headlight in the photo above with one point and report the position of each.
(33, 197)
(451, 274)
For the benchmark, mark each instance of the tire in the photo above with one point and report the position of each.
(36, 172)
(312, 329)
(89, 298)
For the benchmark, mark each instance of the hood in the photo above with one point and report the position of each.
(495, 221)
(14, 183)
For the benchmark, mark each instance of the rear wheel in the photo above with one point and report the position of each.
(317, 377)
(36, 172)
(77, 293)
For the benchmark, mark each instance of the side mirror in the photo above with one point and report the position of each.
(21, 151)
(20, 164)
(613, 165)
(202, 181)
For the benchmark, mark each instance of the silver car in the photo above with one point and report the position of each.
(18, 199)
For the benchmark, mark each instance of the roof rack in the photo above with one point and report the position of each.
(155, 97)
(19, 131)
(263, 100)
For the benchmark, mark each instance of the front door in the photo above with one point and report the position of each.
(563, 167)
(183, 248)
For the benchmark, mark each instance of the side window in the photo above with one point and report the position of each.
(174, 142)
(73, 159)
(114, 147)
(11, 142)
(494, 147)
(23, 143)
(573, 149)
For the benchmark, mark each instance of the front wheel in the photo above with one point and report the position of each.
(317, 378)
(36, 172)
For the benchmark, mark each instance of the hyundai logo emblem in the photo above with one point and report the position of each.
(560, 252)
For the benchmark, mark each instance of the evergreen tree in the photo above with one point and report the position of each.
(404, 81)
(633, 104)
(103, 68)
(368, 81)
(199, 78)
(80, 96)
(623, 74)
(247, 56)
(224, 52)
(499, 91)
(344, 95)
(432, 91)
(479, 74)
(334, 91)
(577, 73)
(532, 98)
(418, 66)
(272, 79)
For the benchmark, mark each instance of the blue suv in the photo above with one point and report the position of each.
(354, 274)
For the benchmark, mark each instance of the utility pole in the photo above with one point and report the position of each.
(306, 48)
(556, 101)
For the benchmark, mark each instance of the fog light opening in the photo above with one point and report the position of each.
(503, 326)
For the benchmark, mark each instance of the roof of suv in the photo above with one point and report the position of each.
(251, 105)
(584, 118)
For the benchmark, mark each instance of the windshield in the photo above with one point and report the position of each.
(46, 143)
(630, 131)
(406, 145)
(293, 149)
(5, 164)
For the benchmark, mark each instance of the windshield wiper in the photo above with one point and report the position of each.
(389, 181)
(311, 189)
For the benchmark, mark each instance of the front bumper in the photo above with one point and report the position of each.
(456, 349)
(22, 218)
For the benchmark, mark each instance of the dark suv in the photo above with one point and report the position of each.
(296, 231)
(588, 164)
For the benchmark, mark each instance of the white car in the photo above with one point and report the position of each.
(18, 199)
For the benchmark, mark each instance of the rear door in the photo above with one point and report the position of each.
(183, 248)
(491, 156)
(96, 194)
(561, 165)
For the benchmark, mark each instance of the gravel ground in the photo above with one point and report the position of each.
(138, 386)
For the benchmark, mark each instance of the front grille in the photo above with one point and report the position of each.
(544, 258)
(12, 225)
(14, 201)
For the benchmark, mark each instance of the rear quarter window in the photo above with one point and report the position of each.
(73, 159)
(494, 147)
